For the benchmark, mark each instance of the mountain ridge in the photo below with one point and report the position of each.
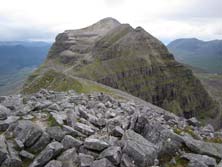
(198, 53)
(131, 60)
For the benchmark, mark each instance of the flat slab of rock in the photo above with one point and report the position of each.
(95, 144)
(84, 129)
(70, 142)
(202, 159)
(205, 148)
(41, 143)
(51, 151)
(27, 132)
(142, 152)
(70, 131)
(26, 154)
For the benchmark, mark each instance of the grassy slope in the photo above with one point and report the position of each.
(11, 83)
(213, 84)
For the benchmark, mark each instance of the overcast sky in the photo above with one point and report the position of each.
(165, 19)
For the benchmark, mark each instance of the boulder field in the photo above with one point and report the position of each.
(68, 129)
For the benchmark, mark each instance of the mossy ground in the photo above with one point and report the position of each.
(214, 140)
(165, 161)
(187, 130)
(53, 80)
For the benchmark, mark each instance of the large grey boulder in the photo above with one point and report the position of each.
(51, 151)
(102, 163)
(59, 117)
(69, 142)
(4, 112)
(3, 149)
(41, 143)
(13, 158)
(4, 124)
(84, 150)
(27, 132)
(205, 148)
(113, 154)
(70, 131)
(27, 155)
(95, 144)
(167, 141)
(196, 164)
(85, 160)
(56, 132)
(202, 159)
(84, 129)
(139, 149)
(69, 158)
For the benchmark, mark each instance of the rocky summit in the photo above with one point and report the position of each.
(132, 60)
(68, 129)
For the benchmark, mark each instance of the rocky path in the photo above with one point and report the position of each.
(55, 129)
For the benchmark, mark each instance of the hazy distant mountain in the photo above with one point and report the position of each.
(202, 54)
(17, 55)
(17, 60)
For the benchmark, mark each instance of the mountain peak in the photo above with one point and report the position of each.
(108, 20)
(131, 60)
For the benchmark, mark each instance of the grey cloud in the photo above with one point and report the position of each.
(10, 30)
(198, 9)
(113, 3)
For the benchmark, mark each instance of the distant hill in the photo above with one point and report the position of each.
(18, 60)
(201, 54)
(17, 55)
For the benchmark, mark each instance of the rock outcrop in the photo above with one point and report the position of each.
(134, 133)
(124, 58)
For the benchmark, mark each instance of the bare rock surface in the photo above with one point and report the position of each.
(133, 133)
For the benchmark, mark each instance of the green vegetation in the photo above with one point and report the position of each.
(52, 121)
(179, 163)
(165, 161)
(214, 140)
(11, 82)
(60, 82)
(51, 80)
(187, 130)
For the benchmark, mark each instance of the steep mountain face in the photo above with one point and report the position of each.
(128, 59)
(202, 54)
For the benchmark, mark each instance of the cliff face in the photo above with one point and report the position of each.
(131, 60)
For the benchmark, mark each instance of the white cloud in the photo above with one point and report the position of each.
(165, 19)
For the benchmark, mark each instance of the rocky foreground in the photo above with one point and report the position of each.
(54, 129)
